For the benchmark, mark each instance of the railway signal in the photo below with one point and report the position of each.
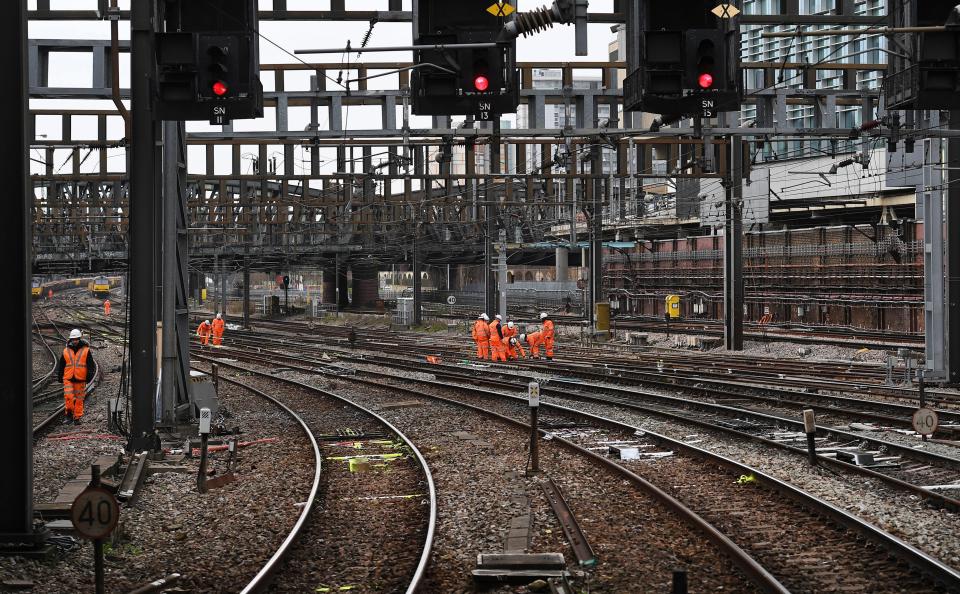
(470, 66)
(686, 60)
(208, 62)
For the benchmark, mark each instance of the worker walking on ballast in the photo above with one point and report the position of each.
(481, 336)
(203, 331)
(218, 325)
(547, 331)
(76, 365)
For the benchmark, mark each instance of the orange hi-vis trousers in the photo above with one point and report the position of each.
(483, 349)
(73, 395)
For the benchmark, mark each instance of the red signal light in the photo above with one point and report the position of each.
(705, 81)
(220, 88)
(481, 83)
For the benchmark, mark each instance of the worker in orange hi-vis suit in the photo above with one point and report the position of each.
(203, 331)
(547, 334)
(497, 350)
(481, 336)
(218, 326)
(509, 332)
(516, 343)
(75, 366)
(106, 307)
(533, 340)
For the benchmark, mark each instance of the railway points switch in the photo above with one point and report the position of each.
(858, 458)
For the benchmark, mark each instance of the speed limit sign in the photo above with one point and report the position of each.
(94, 513)
(451, 300)
(925, 421)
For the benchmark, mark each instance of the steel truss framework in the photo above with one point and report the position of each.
(367, 203)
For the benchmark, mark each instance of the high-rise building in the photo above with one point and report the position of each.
(845, 49)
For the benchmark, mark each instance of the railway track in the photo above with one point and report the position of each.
(48, 407)
(753, 518)
(721, 387)
(343, 538)
(906, 465)
(478, 460)
(864, 379)
(905, 470)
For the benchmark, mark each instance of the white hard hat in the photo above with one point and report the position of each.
(509, 324)
(219, 316)
(498, 317)
(523, 337)
(485, 317)
(543, 315)
(206, 321)
(75, 333)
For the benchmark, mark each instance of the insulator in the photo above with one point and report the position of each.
(534, 21)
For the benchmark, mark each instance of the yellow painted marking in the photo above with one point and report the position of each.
(726, 11)
(501, 9)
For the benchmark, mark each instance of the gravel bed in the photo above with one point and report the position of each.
(56, 461)
(750, 516)
(476, 480)
(217, 541)
(42, 361)
(910, 440)
(364, 532)
(936, 532)
(903, 515)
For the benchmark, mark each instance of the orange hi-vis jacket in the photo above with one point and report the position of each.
(496, 333)
(75, 368)
(547, 330)
(481, 331)
(218, 326)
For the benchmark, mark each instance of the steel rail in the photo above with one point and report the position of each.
(934, 568)
(914, 489)
(261, 580)
(741, 558)
(420, 570)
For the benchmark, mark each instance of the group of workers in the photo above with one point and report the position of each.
(496, 342)
(205, 330)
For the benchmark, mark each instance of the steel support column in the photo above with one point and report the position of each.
(246, 292)
(142, 228)
(16, 499)
(223, 288)
(596, 234)
(490, 202)
(931, 197)
(733, 252)
(953, 254)
(417, 289)
(176, 334)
